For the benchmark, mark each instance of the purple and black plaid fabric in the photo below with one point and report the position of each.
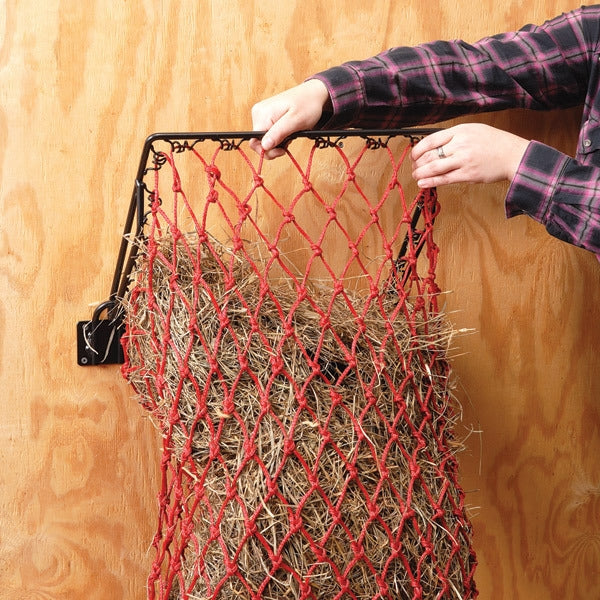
(555, 65)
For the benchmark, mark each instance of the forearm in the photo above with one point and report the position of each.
(539, 68)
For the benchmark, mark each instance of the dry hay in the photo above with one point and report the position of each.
(316, 481)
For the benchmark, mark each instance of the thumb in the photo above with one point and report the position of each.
(277, 133)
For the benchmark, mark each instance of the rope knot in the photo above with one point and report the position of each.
(213, 172)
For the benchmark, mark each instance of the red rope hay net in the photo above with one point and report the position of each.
(282, 329)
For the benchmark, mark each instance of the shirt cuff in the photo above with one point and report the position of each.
(535, 188)
(346, 94)
(534, 184)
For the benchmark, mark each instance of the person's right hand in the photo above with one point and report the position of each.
(296, 109)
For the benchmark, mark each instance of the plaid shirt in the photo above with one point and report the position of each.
(555, 65)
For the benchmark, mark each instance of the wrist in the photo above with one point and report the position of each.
(320, 92)
(516, 156)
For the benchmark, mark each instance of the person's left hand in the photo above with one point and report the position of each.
(467, 153)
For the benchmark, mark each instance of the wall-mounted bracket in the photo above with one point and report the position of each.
(99, 341)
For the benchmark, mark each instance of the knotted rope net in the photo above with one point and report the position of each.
(283, 331)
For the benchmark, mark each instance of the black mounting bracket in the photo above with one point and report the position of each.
(99, 340)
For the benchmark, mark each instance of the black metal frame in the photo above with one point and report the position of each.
(98, 340)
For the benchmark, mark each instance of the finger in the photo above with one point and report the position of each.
(274, 153)
(430, 143)
(439, 180)
(265, 118)
(432, 156)
(256, 145)
(429, 167)
(454, 175)
(432, 175)
(278, 132)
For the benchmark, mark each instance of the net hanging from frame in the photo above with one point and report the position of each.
(283, 331)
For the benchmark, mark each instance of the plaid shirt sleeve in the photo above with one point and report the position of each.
(544, 67)
(559, 192)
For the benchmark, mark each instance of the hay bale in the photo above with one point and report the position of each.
(323, 440)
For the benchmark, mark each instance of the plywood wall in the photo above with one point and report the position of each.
(81, 86)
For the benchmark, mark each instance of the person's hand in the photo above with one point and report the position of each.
(294, 110)
(467, 153)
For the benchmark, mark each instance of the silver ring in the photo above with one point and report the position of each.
(440, 151)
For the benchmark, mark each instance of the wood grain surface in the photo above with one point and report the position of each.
(81, 86)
